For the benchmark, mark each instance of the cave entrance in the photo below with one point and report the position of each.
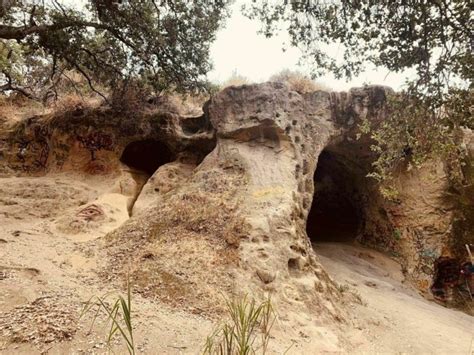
(146, 155)
(334, 215)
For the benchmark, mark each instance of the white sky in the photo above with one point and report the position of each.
(239, 49)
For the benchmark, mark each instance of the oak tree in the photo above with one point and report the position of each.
(160, 43)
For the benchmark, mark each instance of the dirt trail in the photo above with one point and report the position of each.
(394, 318)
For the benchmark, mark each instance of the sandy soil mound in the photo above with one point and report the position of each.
(46, 277)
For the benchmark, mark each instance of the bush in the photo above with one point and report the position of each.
(297, 81)
(235, 80)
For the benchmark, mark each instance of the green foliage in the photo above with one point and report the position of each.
(433, 39)
(160, 44)
(397, 234)
(239, 335)
(119, 316)
(419, 128)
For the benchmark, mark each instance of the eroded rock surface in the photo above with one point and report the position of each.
(236, 224)
(224, 207)
(92, 141)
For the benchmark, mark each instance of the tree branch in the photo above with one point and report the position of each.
(20, 32)
(89, 80)
(10, 87)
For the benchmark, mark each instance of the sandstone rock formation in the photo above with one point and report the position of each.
(222, 202)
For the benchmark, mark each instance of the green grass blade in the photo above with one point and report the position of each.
(114, 320)
(127, 318)
(113, 327)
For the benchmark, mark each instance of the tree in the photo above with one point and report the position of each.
(161, 44)
(432, 38)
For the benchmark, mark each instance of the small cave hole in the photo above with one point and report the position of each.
(293, 265)
(334, 216)
(146, 155)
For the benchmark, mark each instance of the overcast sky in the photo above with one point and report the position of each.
(238, 48)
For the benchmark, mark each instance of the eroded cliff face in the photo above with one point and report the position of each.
(236, 223)
(231, 201)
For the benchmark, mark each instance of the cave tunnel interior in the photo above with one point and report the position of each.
(146, 155)
(334, 215)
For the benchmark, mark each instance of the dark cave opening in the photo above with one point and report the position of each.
(334, 215)
(146, 155)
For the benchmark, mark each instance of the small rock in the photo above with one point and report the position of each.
(266, 276)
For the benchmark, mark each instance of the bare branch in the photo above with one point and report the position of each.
(89, 80)
(10, 87)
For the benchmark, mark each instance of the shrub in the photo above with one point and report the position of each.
(235, 80)
(297, 81)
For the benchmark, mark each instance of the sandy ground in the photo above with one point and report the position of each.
(46, 276)
(393, 318)
(48, 270)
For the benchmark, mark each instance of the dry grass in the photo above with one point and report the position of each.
(295, 79)
(73, 94)
(73, 101)
(72, 90)
(183, 253)
(235, 80)
(186, 105)
(135, 99)
(14, 108)
(298, 81)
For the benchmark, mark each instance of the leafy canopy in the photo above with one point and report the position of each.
(432, 39)
(159, 43)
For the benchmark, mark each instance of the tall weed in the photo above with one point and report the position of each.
(119, 315)
(246, 332)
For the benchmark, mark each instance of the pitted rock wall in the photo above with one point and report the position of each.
(229, 215)
(277, 135)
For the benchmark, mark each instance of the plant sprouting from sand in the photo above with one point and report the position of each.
(119, 316)
(240, 334)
